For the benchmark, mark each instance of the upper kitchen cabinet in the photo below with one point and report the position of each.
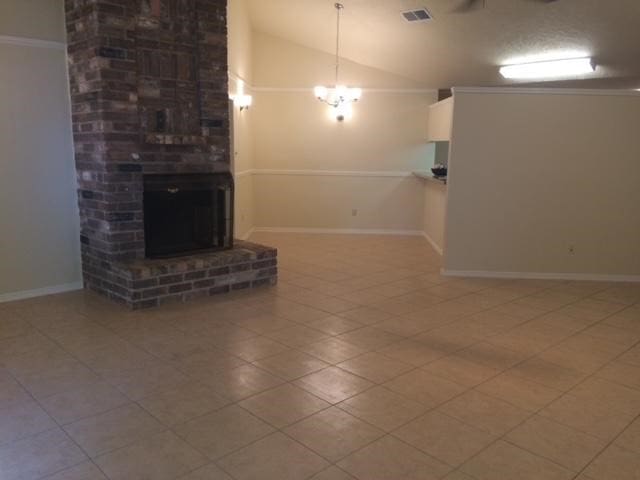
(440, 120)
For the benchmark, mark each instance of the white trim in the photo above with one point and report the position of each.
(39, 292)
(339, 231)
(326, 173)
(595, 277)
(433, 244)
(546, 91)
(243, 173)
(32, 42)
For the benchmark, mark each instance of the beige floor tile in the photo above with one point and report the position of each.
(461, 371)
(160, 457)
(614, 395)
(631, 357)
(114, 429)
(265, 323)
(139, 383)
(224, 431)
(11, 393)
(256, 348)
(84, 471)
(615, 463)
(297, 336)
(389, 458)
(84, 402)
(548, 374)
(241, 382)
(587, 415)
(35, 457)
(181, 404)
(630, 438)
(200, 365)
(457, 475)
(502, 461)
(412, 352)
(369, 338)
(208, 472)
(332, 473)
(383, 408)
(478, 328)
(484, 412)
(333, 433)
(375, 367)
(332, 350)
(334, 325)
(65, 376)
(444, 437)
(23, 420)
(273, 458)
(291, 365)
(425, 388)
(563, 445)
(622, 373)
(333, 384)
(491, 356)
(283, 405)
(366, 315)
(519, 392)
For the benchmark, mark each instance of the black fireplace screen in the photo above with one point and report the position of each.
(187, 213)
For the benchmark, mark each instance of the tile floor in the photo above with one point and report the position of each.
(362, 363)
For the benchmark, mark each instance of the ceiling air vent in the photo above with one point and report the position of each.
(420, 15)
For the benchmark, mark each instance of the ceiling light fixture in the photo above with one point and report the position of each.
(339, 97)
(568, 67)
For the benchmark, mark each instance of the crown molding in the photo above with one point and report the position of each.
(32, 42)
(545, 91)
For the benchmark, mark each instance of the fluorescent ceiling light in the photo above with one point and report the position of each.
(569, 67)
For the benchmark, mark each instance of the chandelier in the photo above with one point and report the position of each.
(339, 97)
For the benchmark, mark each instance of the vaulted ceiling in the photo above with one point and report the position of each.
(465, 49)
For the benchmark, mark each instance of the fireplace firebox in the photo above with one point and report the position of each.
(187, 213)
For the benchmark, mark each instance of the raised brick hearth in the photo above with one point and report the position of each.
(149, 92)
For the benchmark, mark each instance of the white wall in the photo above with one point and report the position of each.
(301, 154)
(532, 174)
(39, 222)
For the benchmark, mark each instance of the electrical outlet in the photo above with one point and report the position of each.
(354, 212)
(572, 250)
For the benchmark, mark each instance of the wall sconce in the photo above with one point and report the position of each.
(243, 102)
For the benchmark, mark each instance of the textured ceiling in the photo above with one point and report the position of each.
(465, 49)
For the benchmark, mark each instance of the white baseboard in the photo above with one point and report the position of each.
(433, 244)
(592, 277)
(40, 292)
(339, 231)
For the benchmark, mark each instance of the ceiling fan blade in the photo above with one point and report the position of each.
(468, 5)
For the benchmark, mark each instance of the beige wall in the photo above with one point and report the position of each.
(532, 175)
(240, 78)
(435, 208)
(41, 19)
(39, 222)
(294, 133)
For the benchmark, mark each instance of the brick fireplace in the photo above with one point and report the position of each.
(149, 94)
